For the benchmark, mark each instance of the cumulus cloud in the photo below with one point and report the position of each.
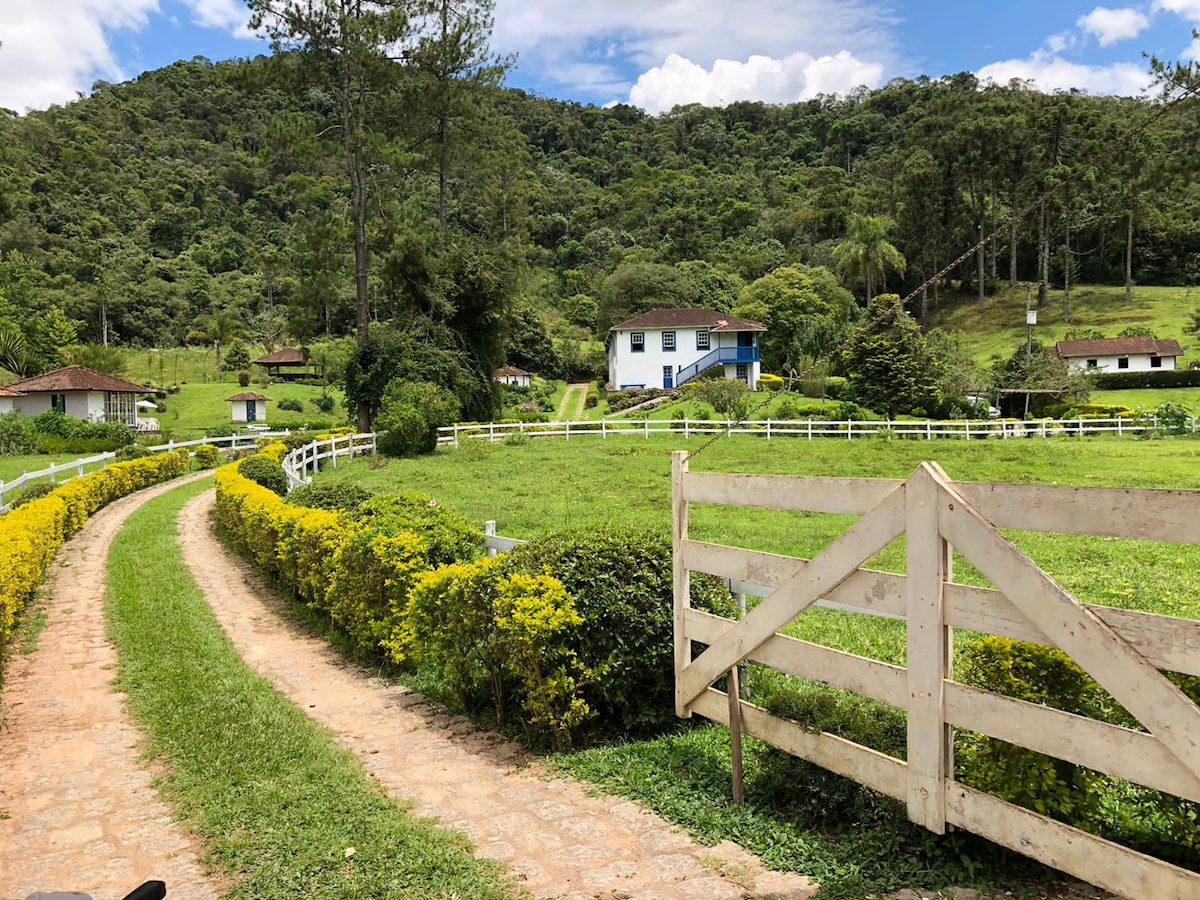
(227, 15)
(618, 39)
(799, 76)
(1053, 73)
(52, 50)
(55, 48)
(1112, 25)
(1187, 9)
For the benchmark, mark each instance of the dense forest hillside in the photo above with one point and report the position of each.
(161, 210)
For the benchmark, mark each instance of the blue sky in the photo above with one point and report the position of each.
(653, 53)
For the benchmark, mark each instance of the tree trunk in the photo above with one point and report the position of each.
(443, 133)
(1012, 255)
(1129, 256)
(1043, 256)
(979, 270)
(1067, 263)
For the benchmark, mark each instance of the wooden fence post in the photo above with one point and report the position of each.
(928, 652)
(682, 580)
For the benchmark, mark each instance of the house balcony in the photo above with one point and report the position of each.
(719, 357)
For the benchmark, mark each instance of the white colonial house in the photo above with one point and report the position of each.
(1132, 354)
(512, 375)
(665, 348)
(249, 407)
(80, 393)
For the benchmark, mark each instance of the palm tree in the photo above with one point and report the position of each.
(221, 327)
(14, 351)
(866, 254)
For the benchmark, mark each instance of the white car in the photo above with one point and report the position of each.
(975, 400)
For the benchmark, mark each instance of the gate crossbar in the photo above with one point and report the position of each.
(1121, 649)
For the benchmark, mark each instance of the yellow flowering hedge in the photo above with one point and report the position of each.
(31, 534)
(394, 579)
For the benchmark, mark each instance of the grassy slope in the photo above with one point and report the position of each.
(198, 407)
(1001, 328)
(275, 799)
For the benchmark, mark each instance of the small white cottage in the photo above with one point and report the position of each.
(249, 407)
(512, 375)
(7, 399)
(81, 393)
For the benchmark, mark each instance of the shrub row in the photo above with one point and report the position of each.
(1116, 381)
(571, 635)
(31, 534)
(622, 400)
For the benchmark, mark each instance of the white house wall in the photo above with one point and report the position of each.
(79, 405)
(627, 369)
(1137, 363)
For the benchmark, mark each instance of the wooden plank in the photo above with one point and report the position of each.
(1103, 863)
(868, 590)
(1151, 515)
(1121, 752)
(1098, 649)
(877, 771)
(813, 662)
(829, 568)
(926, 567)
(735, 736)
(681, 578)
(845, 496)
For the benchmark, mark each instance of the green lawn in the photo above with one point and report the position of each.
(14, 466)
(198, 407)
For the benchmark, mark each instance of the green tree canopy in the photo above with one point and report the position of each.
(889, 367)
(866, 255)
(806, 311)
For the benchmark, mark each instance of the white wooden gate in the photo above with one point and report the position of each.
(1122, 650)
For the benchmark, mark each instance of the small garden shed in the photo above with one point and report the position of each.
(249, 407)
(512, 375)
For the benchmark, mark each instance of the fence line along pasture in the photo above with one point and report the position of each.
(78, 467)
(298, 463)
(810, 429)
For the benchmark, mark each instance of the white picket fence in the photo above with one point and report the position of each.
(302, 463)
(809, 429)
(77, 467)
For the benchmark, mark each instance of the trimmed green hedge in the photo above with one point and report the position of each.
(1171, 378)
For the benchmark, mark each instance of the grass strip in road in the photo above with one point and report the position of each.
(283, 811)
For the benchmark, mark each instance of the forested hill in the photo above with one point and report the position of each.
(208, 189)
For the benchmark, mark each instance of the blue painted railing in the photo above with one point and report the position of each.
(720, 356)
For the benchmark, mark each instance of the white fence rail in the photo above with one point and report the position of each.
(302, 463)
(77, 467)
(810, 429)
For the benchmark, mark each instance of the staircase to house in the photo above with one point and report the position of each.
(720, 356)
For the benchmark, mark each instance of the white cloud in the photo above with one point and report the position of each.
(1052, 73)
(1112, 25)
(227, 15)
(55, 48)
(52, 50)
(602, 47)
(1187, 9)
(795, 77)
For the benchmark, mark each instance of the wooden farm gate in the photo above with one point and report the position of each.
(1120, 649)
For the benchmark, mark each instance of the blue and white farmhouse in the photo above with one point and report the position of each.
(665, 348)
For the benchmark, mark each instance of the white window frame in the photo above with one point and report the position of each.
(637, 342)
(674, 344)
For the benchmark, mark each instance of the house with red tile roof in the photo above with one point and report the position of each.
(512, 375)
(1132, 354)
(81, 393)
(665, 348)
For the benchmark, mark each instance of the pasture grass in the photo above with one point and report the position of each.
(276, 801)
(536, 486)
(12, 467)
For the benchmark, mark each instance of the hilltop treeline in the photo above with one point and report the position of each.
(152, 206)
